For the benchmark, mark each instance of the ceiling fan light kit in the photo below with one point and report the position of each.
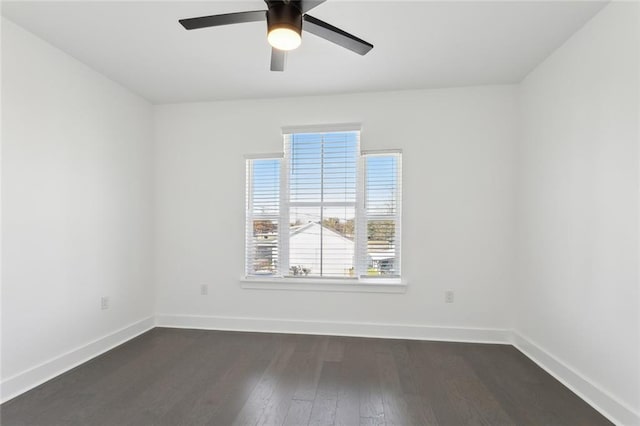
(285, 21)
(284, 38)
(284, 26)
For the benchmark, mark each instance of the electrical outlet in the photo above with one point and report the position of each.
(448, 296)
(104, 303)
(204, 289)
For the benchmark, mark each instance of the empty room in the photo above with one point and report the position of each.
(320, 212)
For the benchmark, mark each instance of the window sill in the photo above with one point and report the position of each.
(381, 285)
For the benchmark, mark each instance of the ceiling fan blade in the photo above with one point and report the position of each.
(224, 19)
(335, 35)
(278, 58)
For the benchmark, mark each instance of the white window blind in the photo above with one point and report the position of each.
(382, 213)
(263, 216)
(325, 210)
(322, 178)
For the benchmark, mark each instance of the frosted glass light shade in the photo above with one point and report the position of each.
(284, 38)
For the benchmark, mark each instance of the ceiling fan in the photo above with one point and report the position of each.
(285, 21)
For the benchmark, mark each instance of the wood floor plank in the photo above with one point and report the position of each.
(299, 413)
(282, 396)
(71, 388)
(400, 353)
(221, 403)
(420, 411)
(530, 396)
(429, 381)
(113, 390)
(196, 377)
(473, 401)
(371, 405)
(217, 398)
(335, 349)
(396, 409)
(258, 401)
(325, 403)
(192, 376)
(209, 357)
(348, 398)
(309, 377)
(361, 355)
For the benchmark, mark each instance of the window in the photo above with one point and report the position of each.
(263, 216)
(324, 209)
(382, 214)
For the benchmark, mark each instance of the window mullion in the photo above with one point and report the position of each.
(283, 225)
(398, 231)
(321, 203)
(249, 250)
(361, 220)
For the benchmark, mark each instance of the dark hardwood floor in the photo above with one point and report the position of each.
(192, 377)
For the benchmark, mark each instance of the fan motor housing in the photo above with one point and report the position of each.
(284, 15)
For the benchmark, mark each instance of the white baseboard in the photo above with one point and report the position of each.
(29, 379)
(612, 408)
(355, 329)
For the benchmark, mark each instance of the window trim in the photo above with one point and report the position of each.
(360, 282)
(250, 215)
(323, 128)
(397, 217)
(286, 204)
(349, 285)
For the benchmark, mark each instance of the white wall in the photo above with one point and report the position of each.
(76, 207)
(458, 204)
(78, 203)
(578, 214)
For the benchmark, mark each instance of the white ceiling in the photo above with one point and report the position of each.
(418, 44)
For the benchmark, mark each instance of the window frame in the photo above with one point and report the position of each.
(363, 219)
(361, 282)
(287, 205)
(250, 215)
